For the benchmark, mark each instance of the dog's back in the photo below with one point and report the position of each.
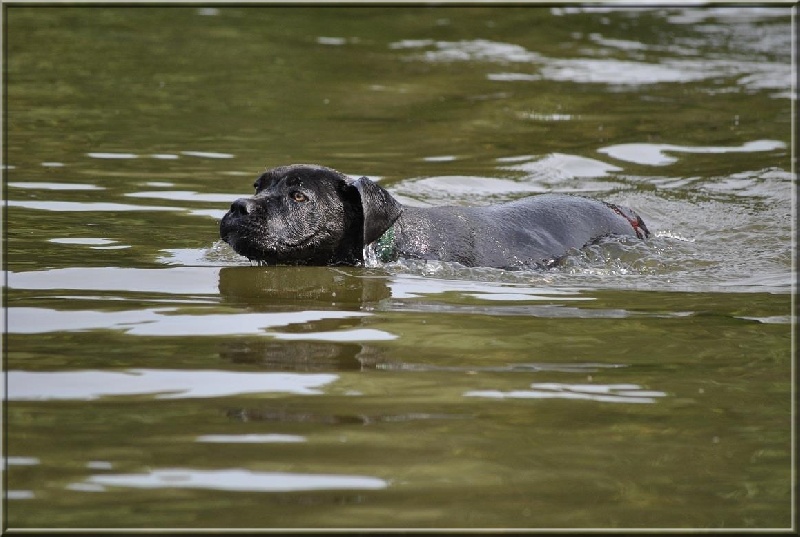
(525, 233)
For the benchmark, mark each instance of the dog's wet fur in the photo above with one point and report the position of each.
(304, 214)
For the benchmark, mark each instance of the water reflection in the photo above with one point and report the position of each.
(283, 415)
(181, 195)
(77, 206)
(251, 438)
(538, 367)
(431, 191)
(177, 280)
(168, 322)
(604, 393)
(318, 299)
(53, 186)
(478, 282)
(467, 50)
(302, 286)
(21, 461)
(632, 71)
(272, 355)
(207, 154)
(231, 479)
(559, 167)
(655, 154)
(161, 156)
(159, 383)
(95, 243)
(20, 495)
(556, 172)
(357, 334)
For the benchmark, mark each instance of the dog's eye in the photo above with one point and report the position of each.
(298, 196)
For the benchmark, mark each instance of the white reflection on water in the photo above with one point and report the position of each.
(20, 495)
(95, 243)
(22, 461)
(622, 44)
(727, 14)
(213, 213)
(440, 158)
(775, 319)
(77, 206)
(471, 50)
(357, 334)
(541, 174)
(634, 73)
(160, 383)
(251, 438)
(753, 75)
(160, 156)
(206, 154)
(112, 155)
(461, 186)
(238, 480)
(605, 393)
(54, 186)
(164, 322)
(86, 241)
(515, 297)
(216, 255)
(411, 286)
(334, 41)
(513, 77)
(178, 280)
(182, 195)
(560, 166)
(654, 154)
(508, 368)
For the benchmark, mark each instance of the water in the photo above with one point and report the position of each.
(155, 379)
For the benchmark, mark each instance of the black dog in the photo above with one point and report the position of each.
(310, 215)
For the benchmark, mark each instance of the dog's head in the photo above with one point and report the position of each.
(305, 214)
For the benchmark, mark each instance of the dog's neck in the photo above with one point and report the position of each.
(384, 247)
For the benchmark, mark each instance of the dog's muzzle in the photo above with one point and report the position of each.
(232, 221)
(242, 207)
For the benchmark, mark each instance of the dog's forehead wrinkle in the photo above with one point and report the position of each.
(292, 181)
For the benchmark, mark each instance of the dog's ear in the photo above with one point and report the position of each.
(380, 209)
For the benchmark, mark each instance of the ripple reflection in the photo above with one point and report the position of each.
(235, 479)
(160, 383)
(605, 393)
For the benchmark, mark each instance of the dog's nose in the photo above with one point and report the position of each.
(243, 206)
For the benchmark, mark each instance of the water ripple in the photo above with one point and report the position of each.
(235, 479)
(604, 393)
(655, 154)
(166, 322)
(159, 383)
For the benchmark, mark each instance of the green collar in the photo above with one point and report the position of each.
(384, 246)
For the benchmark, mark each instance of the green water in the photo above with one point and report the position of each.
(154, 379)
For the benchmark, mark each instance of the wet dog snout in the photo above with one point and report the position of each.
(243, 207)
